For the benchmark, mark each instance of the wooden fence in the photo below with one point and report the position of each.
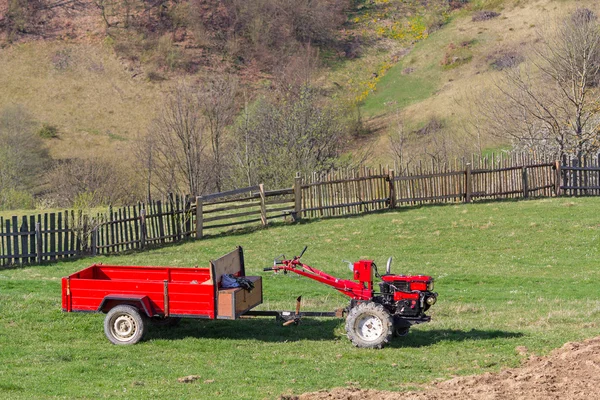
(579, 177)
(55, 236)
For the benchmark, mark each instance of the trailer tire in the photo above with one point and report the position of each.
(369, 325)
(124, 325)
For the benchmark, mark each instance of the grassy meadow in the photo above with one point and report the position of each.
(514, 279)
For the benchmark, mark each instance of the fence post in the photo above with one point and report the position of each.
(297, 197)
(199, 217)
(263, 205)
(468, 183)
(392, 187)
(38, 242)
(143, 231)
(95, 241)
(557, 177)
(525, 183)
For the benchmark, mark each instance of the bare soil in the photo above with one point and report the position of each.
(569, 373)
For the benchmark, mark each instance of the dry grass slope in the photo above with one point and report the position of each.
(83, 90)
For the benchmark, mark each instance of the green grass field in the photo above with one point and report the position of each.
(508, 274)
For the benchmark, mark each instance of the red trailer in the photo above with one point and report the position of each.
(130, 294)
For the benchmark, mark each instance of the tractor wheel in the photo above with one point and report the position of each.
(124, 325)
(369, 325)
(166, 322)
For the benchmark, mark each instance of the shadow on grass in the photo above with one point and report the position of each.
(270, 330)
(263, 329)
(429, 337)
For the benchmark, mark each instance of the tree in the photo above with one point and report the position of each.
(289, 134)
(217, 101)
(91, 182)
(23, 154)
(175, 151)
(553, 107)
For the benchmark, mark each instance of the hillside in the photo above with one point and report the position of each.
(96, 73)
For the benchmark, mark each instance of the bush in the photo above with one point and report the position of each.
(458, 54)
(266, 31)
(48, 131)
(91, 182)
(12, 199)
(484, 15)
(293, 132)
(507, 60)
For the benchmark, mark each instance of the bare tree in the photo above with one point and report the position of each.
(552, 107)
(430, 143)
(217, 101)
(398, 142)
(242, 146)
(87, 183)
(178, 143)
(143, 150)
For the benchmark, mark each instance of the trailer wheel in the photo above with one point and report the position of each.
(124, 325)
(369, 325)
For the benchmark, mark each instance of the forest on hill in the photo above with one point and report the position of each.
(116, 101)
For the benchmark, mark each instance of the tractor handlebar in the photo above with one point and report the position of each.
(281, 260)
(301, 254)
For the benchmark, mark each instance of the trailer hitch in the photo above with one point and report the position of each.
(296, 318)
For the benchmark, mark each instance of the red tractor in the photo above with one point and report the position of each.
(372, 317)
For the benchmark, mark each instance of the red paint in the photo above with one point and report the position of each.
(191, 290)
(405, 296)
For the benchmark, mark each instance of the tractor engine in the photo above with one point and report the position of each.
(407, 296)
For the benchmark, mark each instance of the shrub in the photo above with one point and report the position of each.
(433, 126)
(48, 131)
(507, 60)
(458, 54)
(95, 181)
(484, 15)
(13, 199)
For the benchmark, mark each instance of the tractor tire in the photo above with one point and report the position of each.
(124, 325)
(166, 322)
(369, 325)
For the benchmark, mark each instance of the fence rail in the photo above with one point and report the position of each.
(55, 236)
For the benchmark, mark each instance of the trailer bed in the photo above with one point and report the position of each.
(163, 291)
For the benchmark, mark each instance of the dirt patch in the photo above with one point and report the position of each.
(569, 373)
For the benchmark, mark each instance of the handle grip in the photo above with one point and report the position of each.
(269, 269)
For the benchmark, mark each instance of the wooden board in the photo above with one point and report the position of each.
(236, 301)
(231, 263)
